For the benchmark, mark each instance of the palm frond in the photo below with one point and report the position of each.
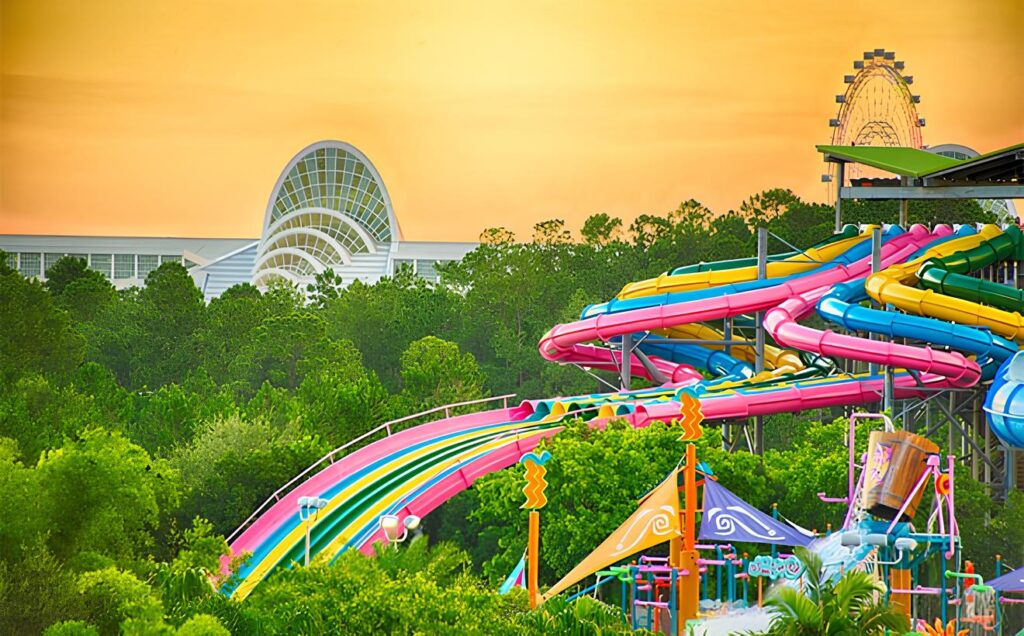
(855, 591)
(792, 607)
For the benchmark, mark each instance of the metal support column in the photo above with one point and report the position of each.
(762, 273)
(904, 204)
(840, 177)
(1009, 471)
(625, 362)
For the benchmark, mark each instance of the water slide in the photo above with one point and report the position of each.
(415, 470)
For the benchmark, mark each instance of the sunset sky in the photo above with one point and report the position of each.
(174, 118)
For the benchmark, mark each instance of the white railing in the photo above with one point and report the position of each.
(329, 457)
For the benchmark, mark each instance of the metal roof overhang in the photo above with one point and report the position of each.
(994, 175)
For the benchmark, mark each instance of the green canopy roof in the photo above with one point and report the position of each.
(909, 162)
(912, 162)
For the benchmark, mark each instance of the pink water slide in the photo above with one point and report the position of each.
(269, 522)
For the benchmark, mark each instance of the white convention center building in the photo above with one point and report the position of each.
(329, 209)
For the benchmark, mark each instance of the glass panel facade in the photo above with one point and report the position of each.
(124, 266)
(50, 260)
(404, 262)
(30, 264)
(100, 263)
(170, 258)
(426, 269)
(12, 260)
(147, 263)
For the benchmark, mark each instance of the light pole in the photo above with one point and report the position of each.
(396, 530)
(309, 510)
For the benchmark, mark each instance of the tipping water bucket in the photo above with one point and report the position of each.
(895, 462)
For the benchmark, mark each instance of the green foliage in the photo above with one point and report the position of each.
(234, 463)
(816, 462)
(71, 628)
(601, 229)
(203, 625)
(37, 336)
(383, 319)
(68, 270)
(418, 591)
(112, 597)
(582, 616)
(597, 477)
(36, 591)
(39, 414)
(104, 495)
(435, 373)
(850, 606)
(342, 409)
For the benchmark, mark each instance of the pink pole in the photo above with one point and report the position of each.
(954, 529)
(849, 512)
(910, 497)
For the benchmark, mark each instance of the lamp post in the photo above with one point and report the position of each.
(396, 530)
(309, 510)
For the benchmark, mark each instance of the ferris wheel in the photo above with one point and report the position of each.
(878, 108)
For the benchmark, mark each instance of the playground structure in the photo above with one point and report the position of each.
(929, 364)
(662, 593)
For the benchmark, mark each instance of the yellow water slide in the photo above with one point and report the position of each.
(796, 264)
(775, 358)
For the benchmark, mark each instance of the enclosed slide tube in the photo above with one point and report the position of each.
(561, 342)
(947, 275)
(840, 306)
(845, 251)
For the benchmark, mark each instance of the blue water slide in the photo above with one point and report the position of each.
(1004, 403)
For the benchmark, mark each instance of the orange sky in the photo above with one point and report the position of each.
(172, 118)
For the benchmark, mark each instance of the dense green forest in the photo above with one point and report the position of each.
(140, 427)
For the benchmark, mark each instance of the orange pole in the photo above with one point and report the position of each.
(759, 597)
(690, 485)
(689, 584)
(533, 557)
(899, 579)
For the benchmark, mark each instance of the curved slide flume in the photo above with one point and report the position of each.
(277, 531)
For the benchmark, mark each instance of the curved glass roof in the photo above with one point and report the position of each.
(328, 204)
(336, 179)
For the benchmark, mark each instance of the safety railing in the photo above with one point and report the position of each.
(329, 457)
